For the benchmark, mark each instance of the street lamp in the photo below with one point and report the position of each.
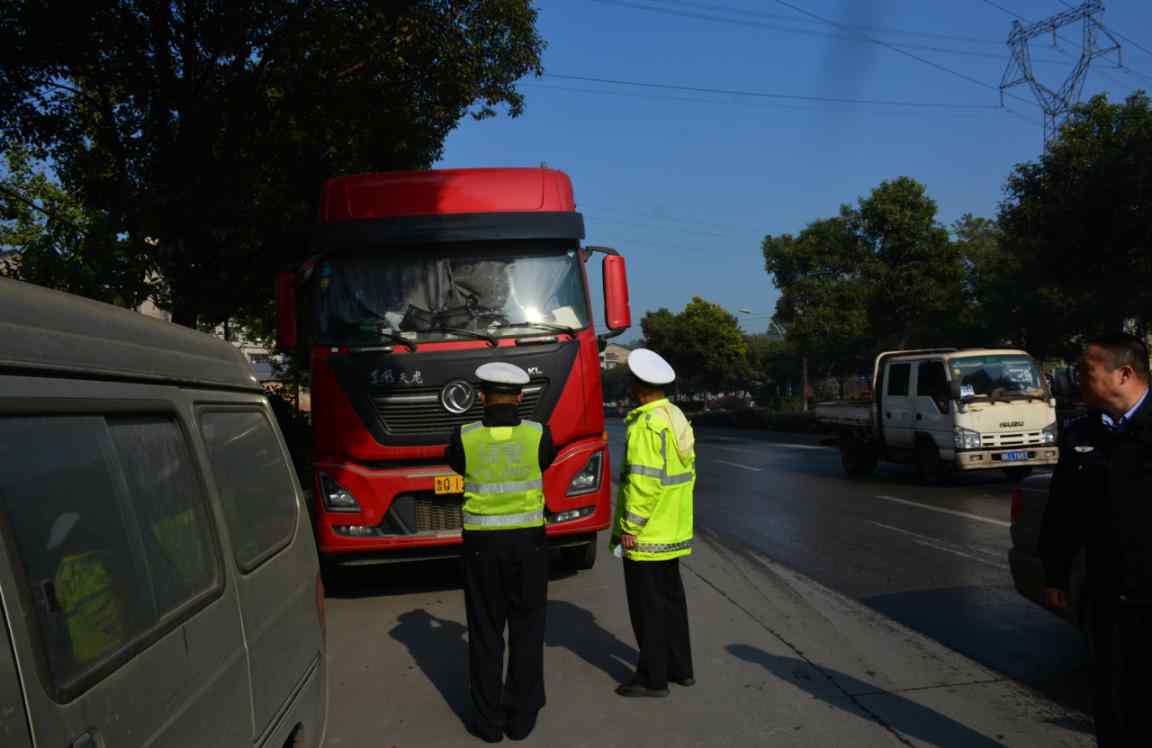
(774, 326)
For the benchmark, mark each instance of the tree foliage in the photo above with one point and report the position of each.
(199, 133)
(703, 343)
(1077, 224)
(883, 273)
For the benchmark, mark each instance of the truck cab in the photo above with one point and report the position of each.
(950, 410)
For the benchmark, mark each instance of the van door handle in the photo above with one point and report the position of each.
(888, 414)
(87, 740)
(919, 417)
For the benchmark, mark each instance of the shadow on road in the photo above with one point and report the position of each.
(406, 578)
(900, 714)
(439, 648)
(576, 629)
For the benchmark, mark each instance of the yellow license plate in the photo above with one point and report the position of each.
(449, 483)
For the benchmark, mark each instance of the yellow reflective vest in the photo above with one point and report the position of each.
(85, 592)
(656, 483)
(503, 483)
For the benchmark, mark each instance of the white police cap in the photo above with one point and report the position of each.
(502, 375)
(649, 366)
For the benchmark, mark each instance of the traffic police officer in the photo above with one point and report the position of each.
(1101, 500)
(653, 524)
(503, 459)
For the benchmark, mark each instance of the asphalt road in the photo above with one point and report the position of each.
(934, 559)
(825, 612)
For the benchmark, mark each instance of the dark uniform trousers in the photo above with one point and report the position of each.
(1123, 642)
(659, 615)
(506, 585)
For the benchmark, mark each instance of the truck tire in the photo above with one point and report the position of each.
(1017, 474)
(858, 460)
(932, 470)
(581, 557)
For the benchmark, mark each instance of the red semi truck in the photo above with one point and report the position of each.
(415, 279)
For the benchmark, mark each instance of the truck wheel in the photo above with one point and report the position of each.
(931, 468)
(1016, 474)
(857, 461)
(580, 558)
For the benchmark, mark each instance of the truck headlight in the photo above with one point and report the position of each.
(588, 479)
(967, 438)
(336, 497)
(1048, 435)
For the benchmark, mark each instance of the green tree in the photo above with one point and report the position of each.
(209, 127)
(703, 343)
(56, 241)
(881, 274)
(1078, 225)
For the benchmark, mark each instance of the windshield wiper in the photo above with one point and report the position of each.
(541, 326)
(396, 337)
(468, 334)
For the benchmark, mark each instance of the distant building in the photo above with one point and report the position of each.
(614, 355)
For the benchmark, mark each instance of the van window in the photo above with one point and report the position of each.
(254, 481)
(170, 509)
(62, 500)
(899, 376)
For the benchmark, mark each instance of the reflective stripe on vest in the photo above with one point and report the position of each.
(503, 520)
(661, 472)
(662, 547)
(513, 487)
(636, 519)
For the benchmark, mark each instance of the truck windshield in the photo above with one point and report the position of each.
(445, 292)
(997, 377)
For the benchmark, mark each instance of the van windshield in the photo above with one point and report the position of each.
(997, 377)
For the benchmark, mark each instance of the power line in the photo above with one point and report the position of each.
(745, 23)
(770, 95)
(870, 29)
(898, 50)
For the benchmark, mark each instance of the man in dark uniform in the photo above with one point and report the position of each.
(503, 459)
(1101, 500)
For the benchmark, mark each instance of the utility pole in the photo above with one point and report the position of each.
(1057, 104)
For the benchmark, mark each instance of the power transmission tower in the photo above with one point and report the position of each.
(1057, 104)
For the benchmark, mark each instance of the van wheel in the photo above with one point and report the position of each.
(1016, 474)
(931, 468)
(580, 558)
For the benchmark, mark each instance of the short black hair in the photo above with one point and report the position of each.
(1123, 349)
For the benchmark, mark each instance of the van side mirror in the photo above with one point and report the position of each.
(287, 323)
(617, 312)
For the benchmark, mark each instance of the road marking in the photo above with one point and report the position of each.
(738, 465)
(770, 444)
(936, 543)
(966, 515)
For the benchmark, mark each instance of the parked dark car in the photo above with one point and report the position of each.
(1029, 499)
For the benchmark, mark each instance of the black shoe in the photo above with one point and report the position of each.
(520, 729)
(639, 689)
(487, 734)
(686, 682)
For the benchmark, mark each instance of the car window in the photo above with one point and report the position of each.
(254, 481)
(170, 509)
(899, 376)
(63, 502)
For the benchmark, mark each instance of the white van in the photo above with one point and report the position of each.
(158, 577)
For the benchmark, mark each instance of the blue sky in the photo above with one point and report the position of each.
(686, 184)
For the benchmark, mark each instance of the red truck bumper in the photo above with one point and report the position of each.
(401, 517)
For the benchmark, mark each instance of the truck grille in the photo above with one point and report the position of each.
(423, 511)
(417, 411)
(1010, 440)
(438, 514)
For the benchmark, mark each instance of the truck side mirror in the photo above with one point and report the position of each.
(287, 330)
(617, 313)
(1062, 387)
